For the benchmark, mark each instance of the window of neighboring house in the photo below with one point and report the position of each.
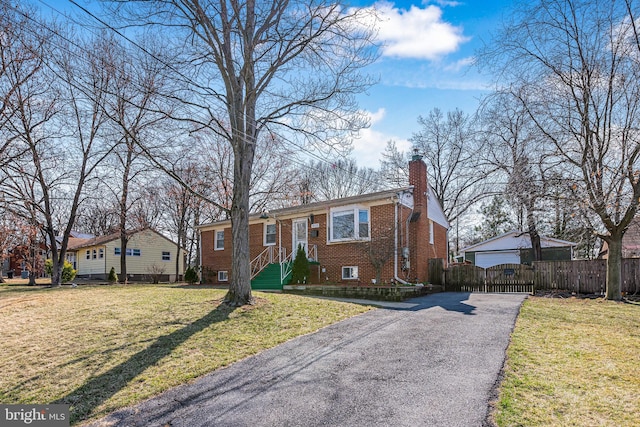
(218, 240)
(431, 232)
(88, 254)
(344, 226)
(269, 234)
(101, 253)
(223, 276)
(95, 254)
(166, 256)
(133, 252)
(117, 251)
(350, 273)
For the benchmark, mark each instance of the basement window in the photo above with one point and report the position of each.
(223, 276)
(349, 273)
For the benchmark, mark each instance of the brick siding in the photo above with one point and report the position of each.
(333, 256)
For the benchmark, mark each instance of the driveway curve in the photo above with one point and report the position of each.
(429, 361)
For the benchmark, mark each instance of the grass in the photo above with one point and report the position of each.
(100, 348)
(572, 362)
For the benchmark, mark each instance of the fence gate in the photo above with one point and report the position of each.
(506, 278)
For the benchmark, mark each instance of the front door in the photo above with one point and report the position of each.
(299, 235)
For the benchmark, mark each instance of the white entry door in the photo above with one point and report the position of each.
(299, 235)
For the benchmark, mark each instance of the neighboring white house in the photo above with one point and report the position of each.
(514, 247)
(147, 252)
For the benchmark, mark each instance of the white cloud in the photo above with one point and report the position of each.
(460, 64)
(416, 33)
(370, 144)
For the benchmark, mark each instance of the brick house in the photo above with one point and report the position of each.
(387, 236)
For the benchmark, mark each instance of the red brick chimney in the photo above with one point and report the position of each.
(418, 178)
(419, 221)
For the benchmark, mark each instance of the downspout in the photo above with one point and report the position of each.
(395, 257)
(200, 254)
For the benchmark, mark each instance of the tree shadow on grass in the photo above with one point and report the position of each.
(97, 390)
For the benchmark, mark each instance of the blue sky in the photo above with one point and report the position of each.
(424, 65)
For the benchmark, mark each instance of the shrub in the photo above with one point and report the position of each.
(300, 271)
(191, 275)
(68, 273)
(155, 272)
(113, 277)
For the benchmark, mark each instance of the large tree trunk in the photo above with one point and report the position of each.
(240, 286)
(614, 268)
(123, 257)
(533, 235)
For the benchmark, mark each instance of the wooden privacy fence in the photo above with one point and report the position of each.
(500, 278)
(585, 276)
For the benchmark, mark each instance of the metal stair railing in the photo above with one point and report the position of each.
(260, 262)
(312, 253)
(285, 264)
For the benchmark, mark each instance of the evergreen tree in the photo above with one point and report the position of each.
(496, 220)
(191, 275)
(300, 271)
(113, 277)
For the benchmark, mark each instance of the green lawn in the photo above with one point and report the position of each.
(572, 362)
(99, 348)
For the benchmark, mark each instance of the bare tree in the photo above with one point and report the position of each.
(514, 149)
(131, 108)
(336, 179)
(393, 166)
(57, 118)
(379, 249)
(575, 64)
(20, 60)
(451, 149)
(282, 67)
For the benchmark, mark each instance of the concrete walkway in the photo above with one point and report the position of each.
(430, 361)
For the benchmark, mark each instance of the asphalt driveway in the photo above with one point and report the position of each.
(430, 361)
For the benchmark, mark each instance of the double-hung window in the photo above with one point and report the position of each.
(349, 223)
(269, 234)
(218, 240)
(166, 256)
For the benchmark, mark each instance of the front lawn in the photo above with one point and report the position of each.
(572, 362)
(99, 348)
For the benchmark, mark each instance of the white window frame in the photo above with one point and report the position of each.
(355, 211)
(88, 254)
(264, 234)
(94, 254)
(101, 253)
(117, 251)
(166, 255)
(223, 276)
(215, 240)
(431, 239)
(134, 252)
(353, 272)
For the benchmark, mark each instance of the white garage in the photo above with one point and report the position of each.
(508, 248)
